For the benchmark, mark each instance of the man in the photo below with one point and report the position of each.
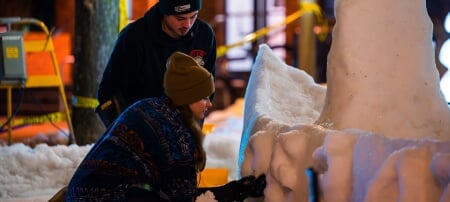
(136, 67)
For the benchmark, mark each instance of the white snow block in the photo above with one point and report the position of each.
(278, 96)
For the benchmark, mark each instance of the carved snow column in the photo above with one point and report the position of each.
(382, 76)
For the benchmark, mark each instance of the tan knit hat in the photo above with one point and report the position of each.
(185, 81)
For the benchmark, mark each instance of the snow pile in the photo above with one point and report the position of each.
(41, 170)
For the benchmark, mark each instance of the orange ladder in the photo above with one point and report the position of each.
(37, 81)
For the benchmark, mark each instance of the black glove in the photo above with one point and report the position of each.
(252, 187)
(238, 190)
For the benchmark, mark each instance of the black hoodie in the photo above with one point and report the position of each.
(137, 64)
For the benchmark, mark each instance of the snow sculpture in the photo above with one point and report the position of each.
(383, 115)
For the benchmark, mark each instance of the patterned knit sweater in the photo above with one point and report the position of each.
(147, 145)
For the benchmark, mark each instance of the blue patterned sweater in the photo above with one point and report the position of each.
(147, 144)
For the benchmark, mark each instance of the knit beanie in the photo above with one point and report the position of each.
(185, 81)
(174, 7)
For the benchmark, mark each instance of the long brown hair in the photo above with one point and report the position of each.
(189, 120)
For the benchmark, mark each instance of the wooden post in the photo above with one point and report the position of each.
(306, 45)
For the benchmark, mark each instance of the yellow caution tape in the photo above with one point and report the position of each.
(52, 117)
(311, 6)
(304, 8)
(84, 102)
(123, 14)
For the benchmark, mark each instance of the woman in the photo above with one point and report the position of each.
(154, 149)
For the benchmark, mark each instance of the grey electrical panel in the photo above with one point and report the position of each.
(12, 58)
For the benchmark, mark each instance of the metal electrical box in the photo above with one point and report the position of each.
(12, 58)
